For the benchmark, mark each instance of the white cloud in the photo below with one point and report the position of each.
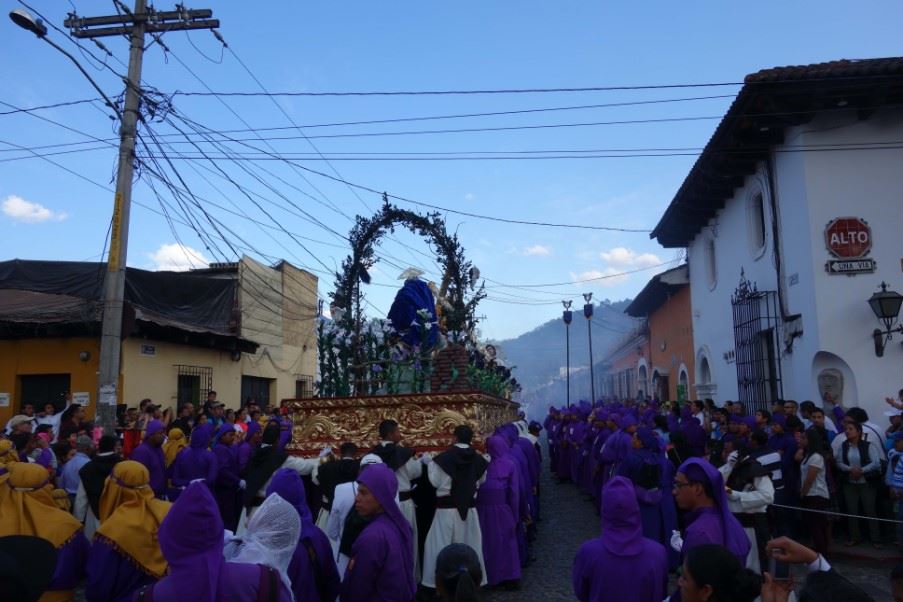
(469, 196)
(177, 258)
(537, 250)
(21, 210)
(593, 278)
(627, 259)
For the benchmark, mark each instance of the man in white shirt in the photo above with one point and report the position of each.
(342, 503)
(407, 468)
(457, 474)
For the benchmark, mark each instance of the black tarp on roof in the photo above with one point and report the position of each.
(174, 301)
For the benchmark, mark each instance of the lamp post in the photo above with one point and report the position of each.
(886, 307)
(588, 314)
(568, 317)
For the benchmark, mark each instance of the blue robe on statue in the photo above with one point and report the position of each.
(414, 296)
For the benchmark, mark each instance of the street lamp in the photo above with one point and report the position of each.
(24, 20)
(588, 314)
(568, 317)
(886, 307)
(27, 22)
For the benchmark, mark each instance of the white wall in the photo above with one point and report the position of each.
(811, 189)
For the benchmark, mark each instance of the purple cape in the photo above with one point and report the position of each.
(191, 539)
(497, 507)
(312, 570)
(622, 565)
(382, 561)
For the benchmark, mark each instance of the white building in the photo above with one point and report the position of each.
(799, 147)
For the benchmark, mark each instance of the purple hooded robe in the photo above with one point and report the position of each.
(246, 449)
(382, 558)
(313, 571)
(191, 539)
(194, 462)
(228, 496)
(497, 506)
(657, 511)
(713, 524)
(153, 459)
(622, 565)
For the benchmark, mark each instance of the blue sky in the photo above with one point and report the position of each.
(329, 46)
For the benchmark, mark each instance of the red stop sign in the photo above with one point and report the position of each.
(848, 237)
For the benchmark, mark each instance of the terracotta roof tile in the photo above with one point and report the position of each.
(830, 70)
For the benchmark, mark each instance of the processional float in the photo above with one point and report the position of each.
(422, 366)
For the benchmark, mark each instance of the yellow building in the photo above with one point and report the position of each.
(243, 329)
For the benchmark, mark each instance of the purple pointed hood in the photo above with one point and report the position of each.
(498, 447)
(622, 528)
(200, 436)
(383, 484)
(700, 471)
(191, 539)
(153, 427)
(289, 486)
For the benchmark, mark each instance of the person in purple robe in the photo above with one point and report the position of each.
(191, 538)
(228, 484)
(576, 439)
(605, 431)
(621, 565)
(565, 451)
(695, 436)
(498, 506)
(150, 453)
(251, 442)
(509, 432)
(652, 474)
(312, 571)
(618, 446)
(699, 490)
(194, 462)
(381, 568)
(125, 554)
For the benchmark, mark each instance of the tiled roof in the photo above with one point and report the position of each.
(834, 69)
(770, 101)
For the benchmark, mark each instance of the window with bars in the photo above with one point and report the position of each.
(192, 383)
(757, 357)
(304, 386)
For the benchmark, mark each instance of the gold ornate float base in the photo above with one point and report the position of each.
(426, 419)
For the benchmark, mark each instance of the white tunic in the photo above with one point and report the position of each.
(411, 470)
(448, 528)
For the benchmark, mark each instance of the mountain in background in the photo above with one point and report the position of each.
(539, 355)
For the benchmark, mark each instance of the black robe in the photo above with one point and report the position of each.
(261, 466)
(94, 476)
(465, 466)
(335, 473)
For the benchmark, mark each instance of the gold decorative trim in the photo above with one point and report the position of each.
(426, 420)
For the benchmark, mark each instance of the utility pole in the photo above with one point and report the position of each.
(134, 23)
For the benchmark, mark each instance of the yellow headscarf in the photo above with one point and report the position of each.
(8, 455)
(61, 499)
(27, 507)
(130, 516)
(174, 444)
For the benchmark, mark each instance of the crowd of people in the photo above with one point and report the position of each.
(719, 495)
(208, 505)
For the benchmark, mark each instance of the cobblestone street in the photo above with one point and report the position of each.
(569, 520)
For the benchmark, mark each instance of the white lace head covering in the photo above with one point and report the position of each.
(271, 538)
